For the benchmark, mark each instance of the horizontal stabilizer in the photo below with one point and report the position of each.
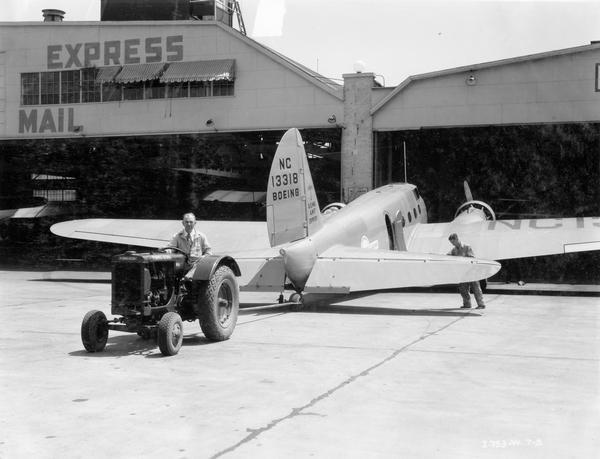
(349, 269)
(261, 271)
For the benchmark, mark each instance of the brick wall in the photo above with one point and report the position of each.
(357, 136)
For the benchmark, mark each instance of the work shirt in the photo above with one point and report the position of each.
(194, 244)
(462, 251)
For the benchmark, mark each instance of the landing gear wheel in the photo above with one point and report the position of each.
(296, 298)
(298, 301)
(94, 331)
(218, 305)
(170, 333)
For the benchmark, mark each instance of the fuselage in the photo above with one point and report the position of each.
(379, 219)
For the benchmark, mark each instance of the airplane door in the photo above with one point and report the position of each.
(398, 228)
(390, 232)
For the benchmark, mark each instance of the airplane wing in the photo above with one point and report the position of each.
(506, 239)
(224, 236)
(261, 266)
(342, 269)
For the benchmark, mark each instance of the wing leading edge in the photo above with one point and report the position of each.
(224, 236)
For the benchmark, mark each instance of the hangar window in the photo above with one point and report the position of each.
(56, 195)
(50, 88)
(111, 92)
(155, 90)
(211, 88)
(53, 187)
(222, 88)
(130, 82)
(90, 88)
(133, 91)
(70, 86)
(30, 88)
(199, 88)
(203, 78)
(178, 90)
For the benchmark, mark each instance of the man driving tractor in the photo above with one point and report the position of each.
(191, 242)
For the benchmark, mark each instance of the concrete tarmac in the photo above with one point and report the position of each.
(388, 375)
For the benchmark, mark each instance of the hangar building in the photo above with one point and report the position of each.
(147, 94)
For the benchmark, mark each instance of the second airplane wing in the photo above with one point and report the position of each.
(507, 239)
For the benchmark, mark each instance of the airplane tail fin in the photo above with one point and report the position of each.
(292, 208)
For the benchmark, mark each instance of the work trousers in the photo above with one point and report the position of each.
(464, 292)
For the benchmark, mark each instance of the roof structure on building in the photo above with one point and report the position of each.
(482, 66)
(327, 84)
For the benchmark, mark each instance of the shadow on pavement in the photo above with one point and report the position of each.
(131, 344)
(368, 310)
(326, 304)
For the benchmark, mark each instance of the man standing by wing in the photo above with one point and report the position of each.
(191, 242)
(463, 250)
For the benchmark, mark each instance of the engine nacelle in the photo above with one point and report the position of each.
(332, 208)
(473, 211)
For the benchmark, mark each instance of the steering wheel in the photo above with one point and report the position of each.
(177, 249)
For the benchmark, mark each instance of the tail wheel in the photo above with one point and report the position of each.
(170, 333)
(94, 331)
(296, 298)
(218, 305)
(297, 301)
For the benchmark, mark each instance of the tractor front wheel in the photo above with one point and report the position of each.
(94, 331)
(170, 333)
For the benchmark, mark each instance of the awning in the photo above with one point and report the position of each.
(107, 74)
(222, 69)
(139, 72)
(236, 196)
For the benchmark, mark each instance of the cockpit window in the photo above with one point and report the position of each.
(416, 192)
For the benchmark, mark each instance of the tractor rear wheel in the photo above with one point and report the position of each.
(218, 305)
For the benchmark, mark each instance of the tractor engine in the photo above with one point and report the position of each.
(142, 282)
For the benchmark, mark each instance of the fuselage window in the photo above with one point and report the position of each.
(415, 212)
(419, 207)
(409, 217)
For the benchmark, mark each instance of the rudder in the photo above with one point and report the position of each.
(292, 208)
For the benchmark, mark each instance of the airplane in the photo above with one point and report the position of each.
(381, 240)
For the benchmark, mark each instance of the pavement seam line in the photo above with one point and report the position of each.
(254, 433)
(518, 356)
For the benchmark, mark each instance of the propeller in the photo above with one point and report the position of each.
(468, 194)
(484, 211)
